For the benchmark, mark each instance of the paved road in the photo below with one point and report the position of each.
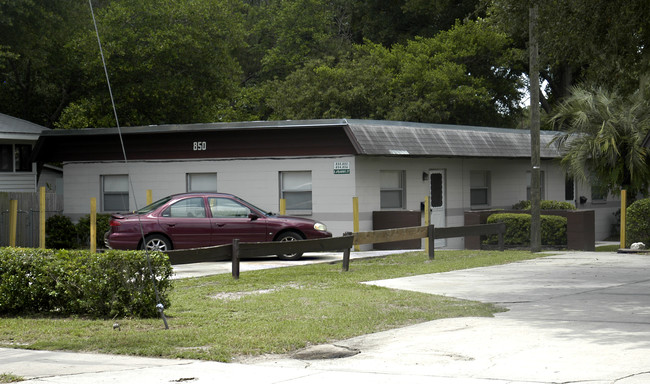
(573, 317)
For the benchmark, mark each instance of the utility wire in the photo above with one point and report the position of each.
(159, 305)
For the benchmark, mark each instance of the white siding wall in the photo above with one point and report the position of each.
(257, 180)
(18, 182)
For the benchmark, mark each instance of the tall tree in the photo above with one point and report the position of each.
(398, 21)
(596, 41)
(37, 77)
(168, 62)
(459, 76)
(284, 35)
(604, 133)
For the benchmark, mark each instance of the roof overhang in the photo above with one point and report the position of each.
(14, 129)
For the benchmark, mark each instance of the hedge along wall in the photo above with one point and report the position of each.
(553, 228)
(103, 285)
(637, 225)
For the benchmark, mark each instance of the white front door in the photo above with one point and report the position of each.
(437, 197)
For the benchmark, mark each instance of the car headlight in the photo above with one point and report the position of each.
(320, 227)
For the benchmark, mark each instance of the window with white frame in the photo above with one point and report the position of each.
(295, 189)
(479, 189)
(202, 182)
(15, 158)
(541, 185)
(391, 189)
(598, 191)
(115, 193)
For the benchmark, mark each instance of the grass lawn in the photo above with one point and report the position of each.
(267, 311)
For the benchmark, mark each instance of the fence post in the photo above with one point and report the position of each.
(41, 218)
(13, 222)
(235, 259)
(430, 240)
(355, 218)
(93, 224)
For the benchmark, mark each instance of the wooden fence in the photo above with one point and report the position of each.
(237, 250)
(28, 214)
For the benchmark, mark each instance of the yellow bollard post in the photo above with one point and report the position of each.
(623, 216)
(283, 206)
(41, 218)
(427, 221)
(13, 222)
(93, 225)
(355, 219)
(149, 197)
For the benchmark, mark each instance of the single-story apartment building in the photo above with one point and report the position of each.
(317, 166)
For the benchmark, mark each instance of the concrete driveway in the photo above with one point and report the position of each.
(573, 317)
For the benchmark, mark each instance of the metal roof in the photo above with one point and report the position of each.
(198, 127)
(14, 128)
(418, 139)
(374, 137)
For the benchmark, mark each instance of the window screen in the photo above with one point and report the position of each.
(201, 182)
(115, 193)
(22, 155)
(391, 189)
(6, 158)
(295, 188)
(479, 188)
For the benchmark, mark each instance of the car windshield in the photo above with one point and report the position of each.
(258, 208)
(152, 206)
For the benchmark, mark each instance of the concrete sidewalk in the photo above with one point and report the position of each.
(573, 317)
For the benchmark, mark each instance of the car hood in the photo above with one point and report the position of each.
(292, 219)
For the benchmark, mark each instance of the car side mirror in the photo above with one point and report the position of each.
(253, 216)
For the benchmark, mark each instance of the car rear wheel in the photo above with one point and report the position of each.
(157, 243)
(290, 236)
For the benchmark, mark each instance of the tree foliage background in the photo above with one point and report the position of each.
(441, 61)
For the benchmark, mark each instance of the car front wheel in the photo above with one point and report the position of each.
(157, 243)
(290, 236)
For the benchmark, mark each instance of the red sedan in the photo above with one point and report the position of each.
(194, 220)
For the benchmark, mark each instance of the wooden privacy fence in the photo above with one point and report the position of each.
(28, 216)
(238, 250)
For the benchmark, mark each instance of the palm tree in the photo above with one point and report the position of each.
(603, 138)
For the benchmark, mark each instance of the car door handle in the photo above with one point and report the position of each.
(171, 225)
(220, 224)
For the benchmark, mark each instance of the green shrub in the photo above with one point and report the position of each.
(637, 226)
(78, 282)
(524, 205)
(60, 233)
(83, 229)
(553, 229)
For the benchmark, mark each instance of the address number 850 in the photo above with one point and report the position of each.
(199, 146)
